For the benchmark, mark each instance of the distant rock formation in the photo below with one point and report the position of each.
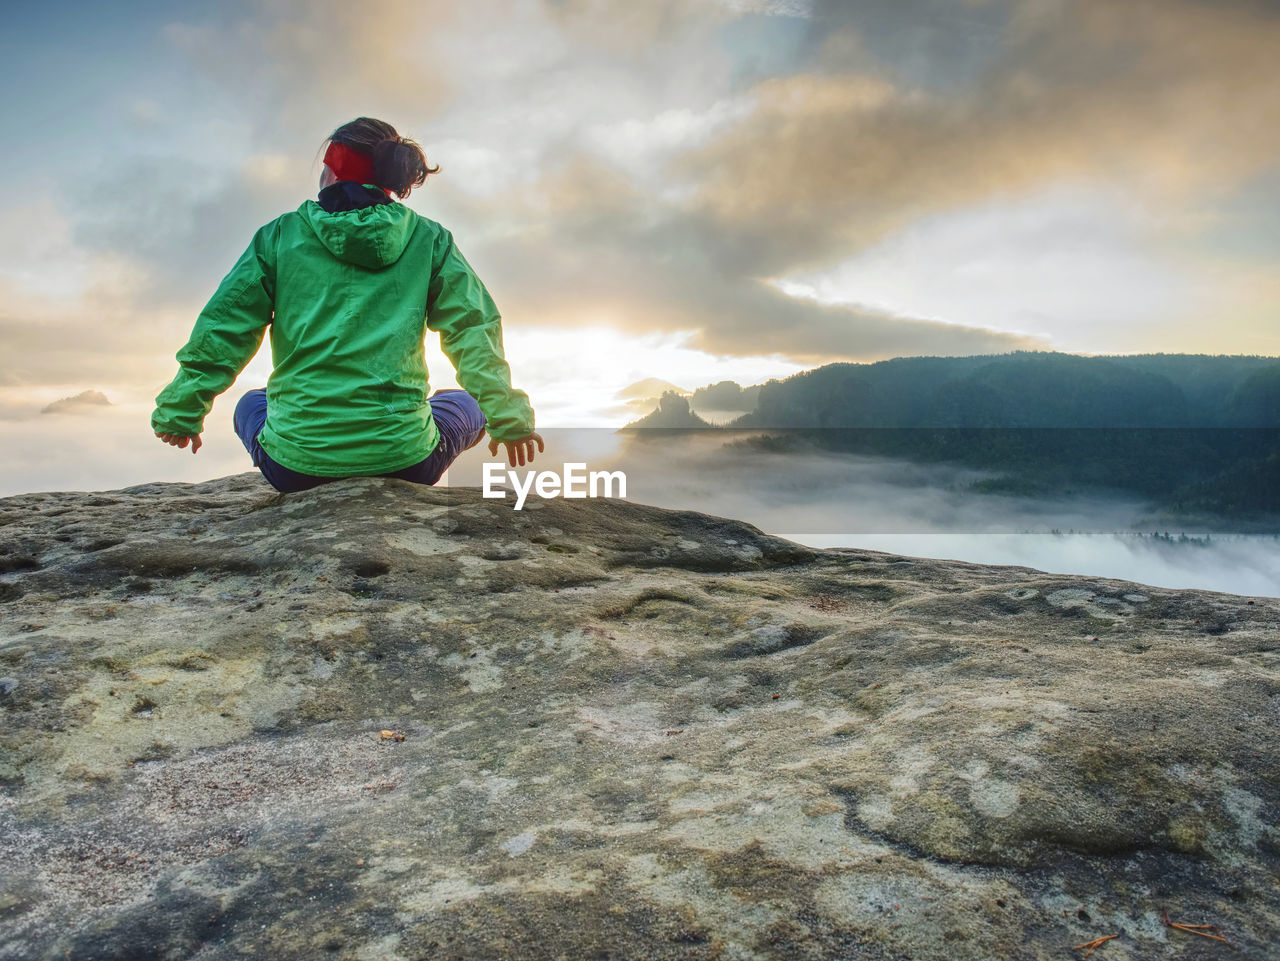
(726, 395)
(85, 400)
(642, 397)
(673, 413)
(377, 720)
(649, 389)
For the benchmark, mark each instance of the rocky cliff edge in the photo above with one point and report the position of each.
(376, 720)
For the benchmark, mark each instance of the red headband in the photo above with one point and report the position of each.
(348, 163)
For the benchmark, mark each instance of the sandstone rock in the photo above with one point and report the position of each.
(627, 733)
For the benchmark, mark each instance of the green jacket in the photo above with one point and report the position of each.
(348, 297)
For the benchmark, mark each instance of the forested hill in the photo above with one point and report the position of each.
(1028, 389)
(1197, 434)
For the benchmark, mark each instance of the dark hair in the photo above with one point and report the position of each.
(398, 164)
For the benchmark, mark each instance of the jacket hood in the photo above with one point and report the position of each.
(370, 237)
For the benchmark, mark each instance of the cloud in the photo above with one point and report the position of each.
(771, 8)
(59, 453)
(86, 401)
(666, 223)
(309, 63)
(1084, 249)
(1173, 99)
(598, 250)
(183, 223)
(610, 163)
(104, 333)
(146, 112)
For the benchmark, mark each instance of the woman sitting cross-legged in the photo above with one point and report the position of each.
(348, 285)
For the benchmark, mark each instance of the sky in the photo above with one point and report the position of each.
(694, 190)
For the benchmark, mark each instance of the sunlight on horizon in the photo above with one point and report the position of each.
(574, 375)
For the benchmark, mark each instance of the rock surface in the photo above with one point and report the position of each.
(627, 733)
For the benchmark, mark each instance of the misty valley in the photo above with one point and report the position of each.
(1159, 468)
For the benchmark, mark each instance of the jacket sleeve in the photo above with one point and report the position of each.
(227, 334)
(460, 309)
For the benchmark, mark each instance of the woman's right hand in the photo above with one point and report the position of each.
(519, 451)
(180, 441)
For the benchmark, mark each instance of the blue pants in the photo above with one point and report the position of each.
(457, 415)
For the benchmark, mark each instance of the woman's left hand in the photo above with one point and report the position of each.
(177, 440)
(519, 451)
